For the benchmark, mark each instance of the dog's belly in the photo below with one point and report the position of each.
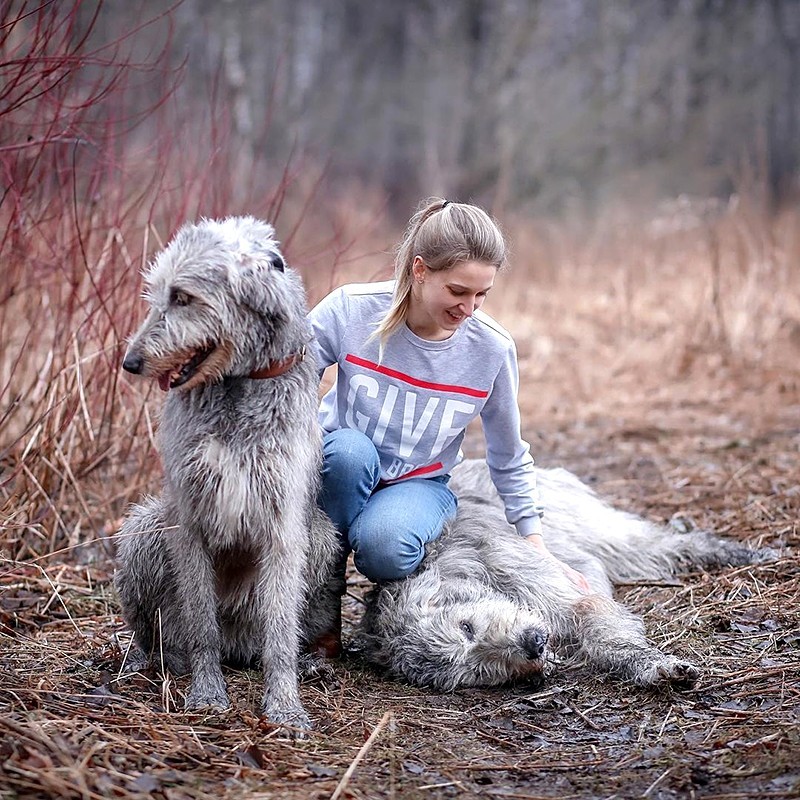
(240, 613)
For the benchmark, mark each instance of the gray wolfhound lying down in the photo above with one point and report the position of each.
(483, 609)
(225, 564)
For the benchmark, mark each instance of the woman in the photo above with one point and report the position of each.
(417, 362)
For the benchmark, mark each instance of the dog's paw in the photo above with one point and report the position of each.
(669, 671)
(681, 674)
(662, 670)
(135, 661)
(765, 555)
(311, 667)
(207, 694)
(291, 717)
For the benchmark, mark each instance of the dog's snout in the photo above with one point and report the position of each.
(534, 641)
(133, 363)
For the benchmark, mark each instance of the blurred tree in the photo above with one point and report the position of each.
(545, 103)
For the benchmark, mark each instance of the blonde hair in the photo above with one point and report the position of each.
(442, 234)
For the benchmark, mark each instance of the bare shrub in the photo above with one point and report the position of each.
(101, 164)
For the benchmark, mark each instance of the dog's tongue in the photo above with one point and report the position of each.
(163, 382)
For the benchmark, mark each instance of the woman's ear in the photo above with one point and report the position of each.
(418, 269)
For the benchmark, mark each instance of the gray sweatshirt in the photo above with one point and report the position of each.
(416, 403)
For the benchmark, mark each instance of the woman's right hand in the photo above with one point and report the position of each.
(577, 578)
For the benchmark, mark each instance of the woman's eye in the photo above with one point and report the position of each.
(468, 630)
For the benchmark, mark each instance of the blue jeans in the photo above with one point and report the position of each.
(386, 527)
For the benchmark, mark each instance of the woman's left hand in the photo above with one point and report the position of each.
(578, 578)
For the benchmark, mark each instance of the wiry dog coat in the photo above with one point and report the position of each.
(221, 567)
(485, 606)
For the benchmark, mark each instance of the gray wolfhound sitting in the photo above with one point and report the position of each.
(483, 609)
(227, 563)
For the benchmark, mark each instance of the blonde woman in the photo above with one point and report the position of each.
(417, 362)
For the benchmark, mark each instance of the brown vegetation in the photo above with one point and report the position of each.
(659, 361)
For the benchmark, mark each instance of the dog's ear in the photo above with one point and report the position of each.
(424, 593)
(255, 279)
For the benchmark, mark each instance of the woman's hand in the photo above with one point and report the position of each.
(578, 578)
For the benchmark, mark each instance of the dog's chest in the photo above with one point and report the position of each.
(232, 471)
(231, 484)
(241, 493)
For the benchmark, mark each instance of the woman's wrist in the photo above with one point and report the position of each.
(537, 541)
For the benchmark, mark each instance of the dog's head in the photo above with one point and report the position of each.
(454, 633)
(222, 303)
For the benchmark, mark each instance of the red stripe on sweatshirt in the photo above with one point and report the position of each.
(401, 376)
(416, 473)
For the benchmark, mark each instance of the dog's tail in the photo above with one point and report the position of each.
(636, 550)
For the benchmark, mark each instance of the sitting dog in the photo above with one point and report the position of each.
(225, 564)
(484, 607)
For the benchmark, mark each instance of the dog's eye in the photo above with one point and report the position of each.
(179, 298)
(278, 263)
(468, 630)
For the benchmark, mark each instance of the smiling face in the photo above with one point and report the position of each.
(441, 300)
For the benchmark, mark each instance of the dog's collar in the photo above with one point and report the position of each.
(275, 368)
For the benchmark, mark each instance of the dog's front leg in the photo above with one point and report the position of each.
(198, 599)
(613, 640)
(281, 593)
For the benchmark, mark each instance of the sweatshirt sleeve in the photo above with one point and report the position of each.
(328, 320)
(507, 455)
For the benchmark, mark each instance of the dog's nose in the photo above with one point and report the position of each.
(533, 642)
(133, 363)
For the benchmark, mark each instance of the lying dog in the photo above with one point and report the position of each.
(233, 562)
(484, 607)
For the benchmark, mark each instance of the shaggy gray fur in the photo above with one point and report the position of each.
(233, 562)
(483, 609)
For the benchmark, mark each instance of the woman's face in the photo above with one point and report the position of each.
(442, 300)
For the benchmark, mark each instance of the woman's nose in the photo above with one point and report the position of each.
(467, 307)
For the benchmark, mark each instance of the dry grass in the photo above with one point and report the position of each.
(699, 291)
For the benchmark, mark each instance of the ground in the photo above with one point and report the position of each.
(722, 454)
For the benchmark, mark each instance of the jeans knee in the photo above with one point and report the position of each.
(386, 555)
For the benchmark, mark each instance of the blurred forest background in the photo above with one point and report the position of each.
(536, 105)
